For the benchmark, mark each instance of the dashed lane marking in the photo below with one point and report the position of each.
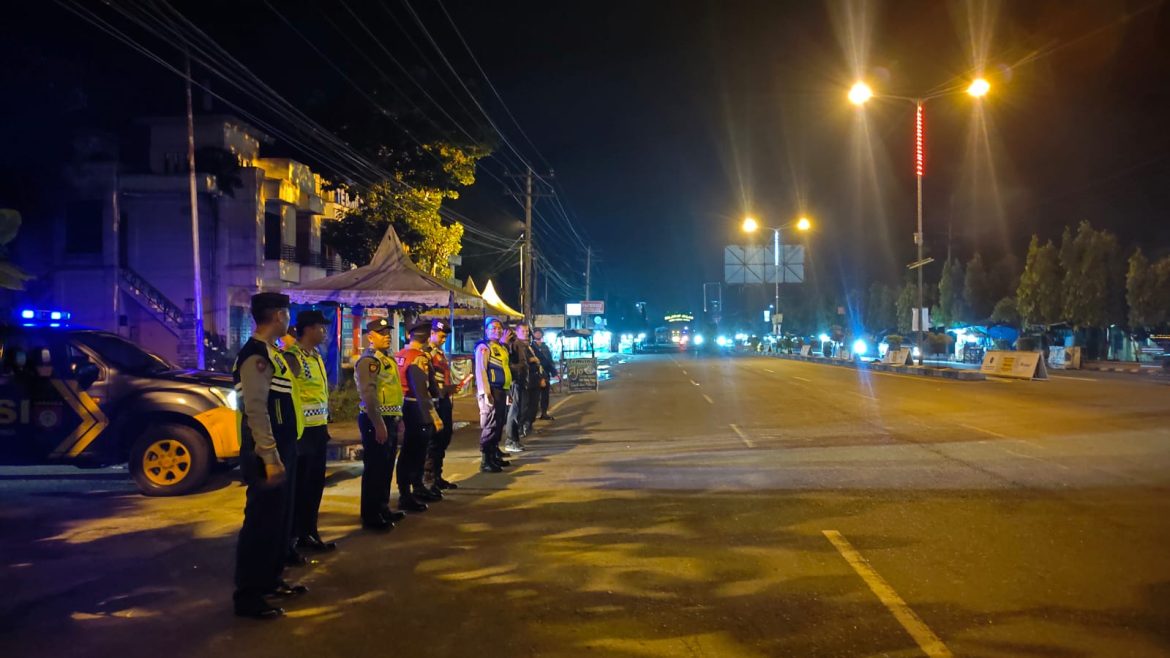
(1079, 379)
(769, 370)
(988, 432)
(685, 371)
(743, 436)
(803, 379)
(708, 398)
(929, 642)
(695, 382)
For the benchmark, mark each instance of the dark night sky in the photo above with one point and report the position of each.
(667, 121)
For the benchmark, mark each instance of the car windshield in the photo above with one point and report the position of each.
(123, 354)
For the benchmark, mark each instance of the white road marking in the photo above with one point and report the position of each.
(926, 639)
(558, 405)
(742, 436)
(1039, 459)
(708, 398)
(1079, 379)
(769, 370)
(695, 382)
(684, 371)
(863, 395)
(802, 379)
(980, 429)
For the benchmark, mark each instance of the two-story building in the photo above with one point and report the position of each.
(122, 255)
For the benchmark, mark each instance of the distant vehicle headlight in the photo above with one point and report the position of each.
(859, 347)
(227, 397)
(698, 339)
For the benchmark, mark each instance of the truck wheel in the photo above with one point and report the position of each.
(170, 460)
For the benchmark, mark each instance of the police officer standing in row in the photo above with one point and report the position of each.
(444, 405)
(268, 455)
(550, 370)
(421, 420)
(493, 379)
(522, 361)
(380, 420)
(313, 390)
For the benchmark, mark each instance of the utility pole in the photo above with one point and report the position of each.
(526, 292)
(200, 360)
(588, 271)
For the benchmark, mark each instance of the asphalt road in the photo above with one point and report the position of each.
(692, 507)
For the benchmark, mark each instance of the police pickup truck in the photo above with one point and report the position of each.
(91, 398)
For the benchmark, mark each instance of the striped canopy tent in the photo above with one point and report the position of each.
(390, 279)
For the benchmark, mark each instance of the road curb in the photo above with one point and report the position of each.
(919, 371)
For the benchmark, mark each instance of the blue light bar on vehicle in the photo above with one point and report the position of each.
(39, 317)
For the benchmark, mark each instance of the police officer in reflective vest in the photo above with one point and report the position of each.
(493, 379)
(421, 420)
(313, 391)
(380, 420)
(444, 405)
(268, 455)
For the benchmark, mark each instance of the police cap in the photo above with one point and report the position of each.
(487, 322)
(266, 300)
(306, 319)
(379, 325)
(420, 328)
(440, 325)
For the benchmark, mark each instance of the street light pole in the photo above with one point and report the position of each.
(919, 170)
(776, 264)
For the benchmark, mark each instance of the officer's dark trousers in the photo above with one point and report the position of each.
(492, 416)
(440, 441)
(377, 467)
(310, 485)
(531, 404)
(544, 399)
(414, 447)
(518, 411)
(263, 539)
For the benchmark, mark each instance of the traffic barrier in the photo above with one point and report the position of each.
(1016, 365)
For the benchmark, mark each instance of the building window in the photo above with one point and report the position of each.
(272, 236)
(83, 227)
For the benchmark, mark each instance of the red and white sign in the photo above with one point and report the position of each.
(593, 308)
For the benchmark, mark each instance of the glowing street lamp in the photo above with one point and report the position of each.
(859, 93)
(750, 225)
(979, 87)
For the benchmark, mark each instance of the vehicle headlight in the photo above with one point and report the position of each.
(227, 397)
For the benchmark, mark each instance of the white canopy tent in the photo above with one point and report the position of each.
(390, 279)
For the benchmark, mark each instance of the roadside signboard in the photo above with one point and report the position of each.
(581, 374)
(1018, 365)
(549, 321)
(593, 308)
(898, 357)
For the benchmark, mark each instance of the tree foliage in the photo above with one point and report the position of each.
(880, 307)
(977, 290)
(1093, 277)
(1006, 311)
(951, 302)
(410, 202)
(907, 300)
(11, 276)
(1147, 291)
(1038, 294)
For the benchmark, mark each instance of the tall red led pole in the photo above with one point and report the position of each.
(919, 171)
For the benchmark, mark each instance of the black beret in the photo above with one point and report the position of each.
(266, 300)
(439, 324)
(310, 318)
(380, 325)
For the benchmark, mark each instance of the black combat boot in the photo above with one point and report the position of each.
(488, 463)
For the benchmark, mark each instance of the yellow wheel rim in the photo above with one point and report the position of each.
(166, 462)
